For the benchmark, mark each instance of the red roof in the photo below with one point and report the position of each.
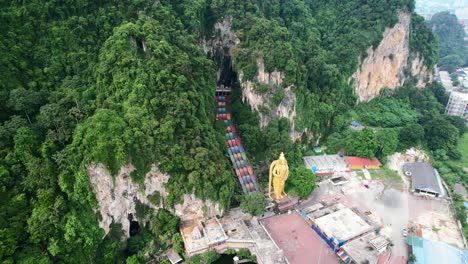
(300, 244)
(357, 161)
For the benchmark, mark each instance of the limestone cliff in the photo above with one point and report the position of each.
(263, 103)
(220, 48)
(387, 65)
(421, 72)
(117, 197)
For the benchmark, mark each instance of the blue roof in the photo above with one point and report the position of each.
(436, 252)
(465, 204)
(354, 123)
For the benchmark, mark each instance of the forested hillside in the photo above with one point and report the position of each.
(120, 82)
(452, 48)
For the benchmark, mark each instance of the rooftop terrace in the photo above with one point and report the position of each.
(298, 241)
(343, 224)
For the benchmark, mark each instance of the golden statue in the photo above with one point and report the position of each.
(280, 170)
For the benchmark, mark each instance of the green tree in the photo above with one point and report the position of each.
(301, 182)
(452, 48)
(205, 258)
(388, 140)
(411, 135)
(25, 101)
(363, 144)
(459, 123)
(451, 62)
(441, 134)
(253, 203)
(178, 243)
(164, 223)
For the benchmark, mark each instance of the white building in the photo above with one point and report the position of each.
(457, 104)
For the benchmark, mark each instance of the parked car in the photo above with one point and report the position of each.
(405, 232)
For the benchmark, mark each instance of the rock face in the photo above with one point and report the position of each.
(117, 197)
(220, 48)
(262, 103)
(421, 72)
(386, 65)
(193, 209)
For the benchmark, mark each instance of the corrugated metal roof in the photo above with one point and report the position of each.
(358, 161)
(436, 252)
(424, 176)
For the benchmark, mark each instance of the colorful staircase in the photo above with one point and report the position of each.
(236, 151)
(344, 257)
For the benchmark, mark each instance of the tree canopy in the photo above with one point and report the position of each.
(120, 82)
(452, 47)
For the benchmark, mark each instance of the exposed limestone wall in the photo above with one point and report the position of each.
(386, 65)
(116, 197)
(193, 208)
(287, 107)
(220, 48)
(421, 72)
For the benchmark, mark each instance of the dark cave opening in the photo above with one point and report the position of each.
(227, 76)
(134, 226)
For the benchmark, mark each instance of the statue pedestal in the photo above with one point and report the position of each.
(285, 203)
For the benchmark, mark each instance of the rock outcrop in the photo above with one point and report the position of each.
(220, 48)
(262, 103)
(421, 72)
(194, 209)
(386, 66)
(117, 197)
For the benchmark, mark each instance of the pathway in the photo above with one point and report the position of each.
(240, 163)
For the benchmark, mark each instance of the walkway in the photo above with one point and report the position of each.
(236, 151)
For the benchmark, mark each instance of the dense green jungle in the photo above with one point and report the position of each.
(118, 82)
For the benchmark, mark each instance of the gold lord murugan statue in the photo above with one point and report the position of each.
(279, 170)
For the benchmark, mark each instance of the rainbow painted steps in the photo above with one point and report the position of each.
(236, 151)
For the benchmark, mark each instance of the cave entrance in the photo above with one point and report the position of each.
(227, 76)
(134, 226)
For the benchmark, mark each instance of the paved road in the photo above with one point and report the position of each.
(446, 81)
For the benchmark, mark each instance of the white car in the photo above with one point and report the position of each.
(405, 232)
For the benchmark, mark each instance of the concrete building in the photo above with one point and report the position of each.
(435, 252)
(342, 225)
(173, 257)
(367, 248)
(425, 180)
(218, 234)
(297, 240)
(457, 104)
(235, 230)
(325, 165)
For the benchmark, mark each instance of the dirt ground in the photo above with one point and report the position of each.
(432, 217)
